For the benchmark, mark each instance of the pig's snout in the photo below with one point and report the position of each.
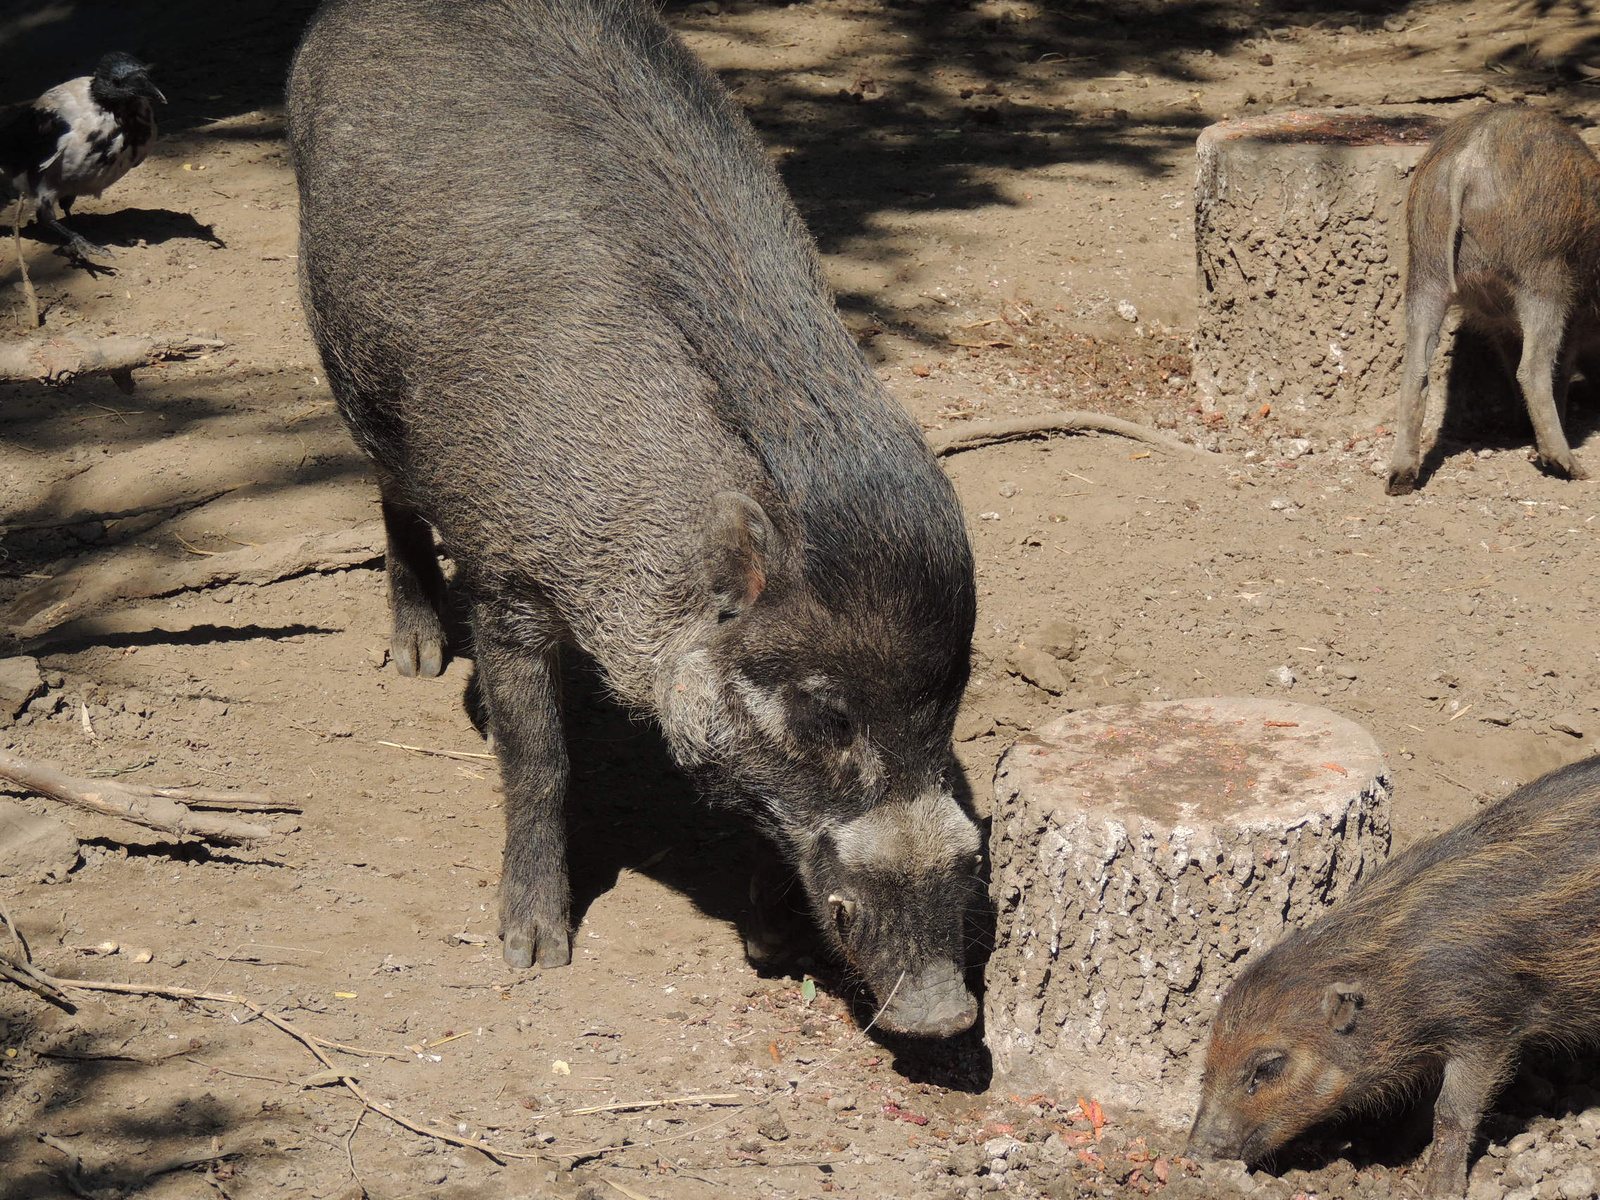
(933, 1002)
(1215, 1136)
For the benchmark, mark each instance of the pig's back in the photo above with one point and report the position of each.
(538, 231)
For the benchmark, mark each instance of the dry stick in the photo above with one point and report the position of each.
(200, 1062)
(953, 441)
(122, 514)
(309, 1041)
(629, 1105)
(349, 1153)
(55, 360)
(21, 971)
(223, 801)
(437, 753)
(141, 806)
(144, 1060)
(22, 265)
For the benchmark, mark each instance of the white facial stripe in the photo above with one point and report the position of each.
(930, 832)
(764, 706)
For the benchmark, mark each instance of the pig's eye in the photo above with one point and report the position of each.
(1266, 1071)
(826, 719)
(844, 913)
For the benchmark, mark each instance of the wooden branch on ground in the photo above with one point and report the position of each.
(96, 518)
(969, 437)
(154, 808)
(145, 575)
(19, 968)
(58, 359)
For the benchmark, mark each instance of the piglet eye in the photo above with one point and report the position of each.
(1266, 1071)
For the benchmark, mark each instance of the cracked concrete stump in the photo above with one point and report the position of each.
(1300, 243)
(1139, 853)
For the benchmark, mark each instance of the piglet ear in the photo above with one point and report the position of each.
(740, 544)
(1341, 1002)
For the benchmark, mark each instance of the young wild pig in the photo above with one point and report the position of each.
(568, 309)
(1440, 968)
(1503, 217)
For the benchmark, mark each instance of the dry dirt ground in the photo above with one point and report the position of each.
(1003, 194)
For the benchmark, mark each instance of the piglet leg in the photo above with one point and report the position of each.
(1541, 373)
(1471, 1079)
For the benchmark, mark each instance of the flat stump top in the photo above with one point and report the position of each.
(1328, 127)
(1225, 760)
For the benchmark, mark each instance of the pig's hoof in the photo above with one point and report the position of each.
(1402, 483)
(551, 948)
(418, 656)
(1566, 466)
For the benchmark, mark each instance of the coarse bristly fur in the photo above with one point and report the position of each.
(1503, 218)
(78, 139)
(567, 307)
(1440, 968)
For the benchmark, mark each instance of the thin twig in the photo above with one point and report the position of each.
(630, 1105)
(972, 436)
(96, 518)
(349, 1154)
(437, 753)
(239, 1074)
(144, 1060)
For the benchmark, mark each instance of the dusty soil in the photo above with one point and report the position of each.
(1003, 194)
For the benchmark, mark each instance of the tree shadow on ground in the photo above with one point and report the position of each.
(70, 1141)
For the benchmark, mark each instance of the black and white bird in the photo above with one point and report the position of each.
(78, 139)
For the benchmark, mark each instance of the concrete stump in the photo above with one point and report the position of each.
(1301, 244)
(1139, 853)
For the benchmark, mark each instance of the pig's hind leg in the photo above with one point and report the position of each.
(522, 695)
(1543, 374)
(1426, 303)
(416, 587)
(1472, 1077)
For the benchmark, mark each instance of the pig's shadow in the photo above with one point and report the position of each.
(1551, 1084)
(1483, 409)
(630, 808)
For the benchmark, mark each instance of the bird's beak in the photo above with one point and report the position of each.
(150, 91)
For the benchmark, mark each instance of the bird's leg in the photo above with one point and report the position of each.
(75, 244)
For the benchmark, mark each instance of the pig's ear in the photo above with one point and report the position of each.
(1341, 1002)
(740, 543)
